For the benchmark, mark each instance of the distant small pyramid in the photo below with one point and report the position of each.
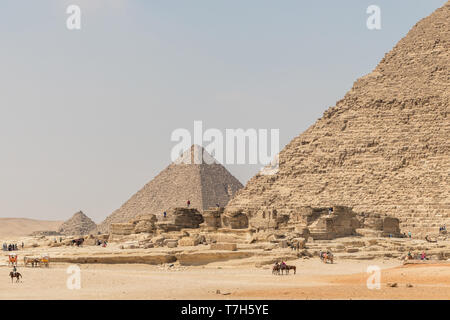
(79, 224)
(195, 176)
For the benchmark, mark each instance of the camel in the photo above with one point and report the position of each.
(78, 242)
(325, 256)
(13, 275)
(295, 245)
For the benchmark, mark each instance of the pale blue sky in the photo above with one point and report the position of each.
(86, 116)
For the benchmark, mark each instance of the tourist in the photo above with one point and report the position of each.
(409, 234)
(165, 214)
(188, 203)
(330, 211)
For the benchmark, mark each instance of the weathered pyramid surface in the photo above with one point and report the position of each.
(79, 224)
(195, 176)
(384, 148)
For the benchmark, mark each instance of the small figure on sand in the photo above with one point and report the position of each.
(14, 274)
(188, 203)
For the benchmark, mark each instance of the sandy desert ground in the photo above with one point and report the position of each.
(314, 280)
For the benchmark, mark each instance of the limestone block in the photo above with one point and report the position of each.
(188, 242)
(223, 246)
(122, 228)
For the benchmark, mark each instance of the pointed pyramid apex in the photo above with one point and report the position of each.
(196, 155)
(79, 224)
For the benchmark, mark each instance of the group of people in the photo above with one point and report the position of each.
(409, 235)
(422, 256)
(280, 264)
(10, 247)
(443, 228)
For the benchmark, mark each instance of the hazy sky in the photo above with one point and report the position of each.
(86, 116)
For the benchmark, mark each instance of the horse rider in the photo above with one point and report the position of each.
(14, 270)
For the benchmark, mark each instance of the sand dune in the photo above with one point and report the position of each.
(17, 227)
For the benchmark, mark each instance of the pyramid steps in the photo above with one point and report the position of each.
(384, 148)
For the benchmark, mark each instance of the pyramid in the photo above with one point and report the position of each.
(79, 224)
(384, 148)
(202, 181)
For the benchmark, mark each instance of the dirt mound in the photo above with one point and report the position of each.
(18, 227)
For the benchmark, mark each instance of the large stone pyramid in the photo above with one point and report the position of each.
(384, 148)
(195, 176)
(79, 224)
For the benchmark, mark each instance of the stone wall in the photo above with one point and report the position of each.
(235, 219)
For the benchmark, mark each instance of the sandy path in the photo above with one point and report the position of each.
(313, 280)
(428, 282)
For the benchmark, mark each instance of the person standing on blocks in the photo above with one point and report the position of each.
(188, 203)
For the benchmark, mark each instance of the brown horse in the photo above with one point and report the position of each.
(284, 268)
(291, 268)
(276, 269)
(15, 275)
